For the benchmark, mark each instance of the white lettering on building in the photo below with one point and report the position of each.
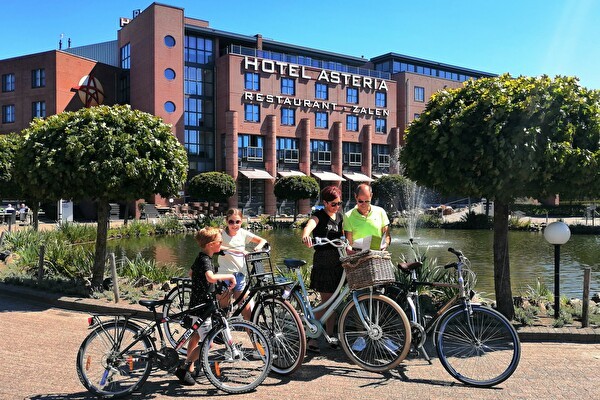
(299, 71)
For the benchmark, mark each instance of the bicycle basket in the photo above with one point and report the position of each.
(368, 268)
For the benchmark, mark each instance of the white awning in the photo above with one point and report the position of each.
(255, 174)
(291, 173)
(357, 177)
(377, 176)
(328, 176)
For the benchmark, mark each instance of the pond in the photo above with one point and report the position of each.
(530, 255)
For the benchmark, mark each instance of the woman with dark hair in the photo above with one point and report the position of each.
(327, 269)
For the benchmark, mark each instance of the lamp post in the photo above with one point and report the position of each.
(557, 233)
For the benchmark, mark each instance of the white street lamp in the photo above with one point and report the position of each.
(557, 233)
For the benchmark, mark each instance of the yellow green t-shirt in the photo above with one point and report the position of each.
(363, 226)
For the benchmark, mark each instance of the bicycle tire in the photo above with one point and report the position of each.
(108, 376)
(243, 371)
(179, 298)
(388, 340)
(281, 321)
(485, 359)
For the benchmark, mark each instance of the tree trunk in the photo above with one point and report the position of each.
(101, 235)
(35, 209)
(295, 209)
(502, 286)
(126, 214)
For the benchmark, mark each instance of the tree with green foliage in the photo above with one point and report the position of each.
(389, 190)
(9, 187)
(105, 153)
(503, 138)
(296, 188)
(212, 186)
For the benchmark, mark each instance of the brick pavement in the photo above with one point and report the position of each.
(39, 357)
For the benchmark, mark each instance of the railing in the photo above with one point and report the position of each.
(308, 61)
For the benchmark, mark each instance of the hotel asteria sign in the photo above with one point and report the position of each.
(326, 76)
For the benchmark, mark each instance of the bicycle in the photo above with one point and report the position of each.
(117, 357)
(271, 312)
(373, 330)
(476, 344)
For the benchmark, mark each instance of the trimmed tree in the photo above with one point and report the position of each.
(389, 190)
(503, 138)
(296, 188)
(106, 154)
(212, 186)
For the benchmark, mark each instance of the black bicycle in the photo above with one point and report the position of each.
(476, 344)
(117, 357)
(271, 312)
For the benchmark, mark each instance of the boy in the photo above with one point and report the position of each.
(203, 279)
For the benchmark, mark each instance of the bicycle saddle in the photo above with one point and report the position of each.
(407, 267)
(293, 263)
(153, 303)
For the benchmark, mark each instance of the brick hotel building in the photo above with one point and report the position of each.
(253, 107)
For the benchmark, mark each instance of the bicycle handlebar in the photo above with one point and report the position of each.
(337, 243)
(457, 253)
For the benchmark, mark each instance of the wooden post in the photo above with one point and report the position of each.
(585, 308)
(113, 272)
(41, 263)
(2, 238)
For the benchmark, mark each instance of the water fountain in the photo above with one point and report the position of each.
(413, 196)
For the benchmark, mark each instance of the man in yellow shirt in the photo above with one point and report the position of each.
(366, 226)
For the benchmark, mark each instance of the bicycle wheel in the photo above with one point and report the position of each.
(281, 321)
(480, 350)
(180, 300)
(105, 368)
(241, 366)
(385, 343)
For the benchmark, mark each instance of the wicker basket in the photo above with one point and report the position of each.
(368, 268)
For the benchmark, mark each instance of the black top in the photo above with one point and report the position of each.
(201, 288)
(327, 227)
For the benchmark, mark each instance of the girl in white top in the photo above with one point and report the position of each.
(235, 240)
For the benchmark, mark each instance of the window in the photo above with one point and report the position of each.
(288, 86)
(38, 78)
(380, 99)
(352, 123)
(417, 115)
(287, 150)
(198, 50)
(126, 56)
(250, 148)
(288, 116)
(321, 91)
(170, 74)
(200, 148)
(198, 113)
(169, 41)
(321, 120)
(419, 93)
(251, 113)
(8, 83)
(380, 125)
(251, 81)
(38, 109)
(320, 152)
(198, 81)
(352, 95)
(352, 154)
(169, 107)
(8, 114)
(381, 156)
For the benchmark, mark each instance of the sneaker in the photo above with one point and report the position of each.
(185, 377)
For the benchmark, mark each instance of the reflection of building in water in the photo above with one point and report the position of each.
(164, 254)
(253, 107)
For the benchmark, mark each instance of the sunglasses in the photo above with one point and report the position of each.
(339, 203)
(232, 222)
(364, 201)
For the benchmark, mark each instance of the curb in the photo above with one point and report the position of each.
(526, 334)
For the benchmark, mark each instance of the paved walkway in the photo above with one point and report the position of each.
(526, 334)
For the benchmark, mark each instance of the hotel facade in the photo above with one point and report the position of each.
(253, 107)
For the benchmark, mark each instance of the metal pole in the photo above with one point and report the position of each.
(115, 277)
(556, 280)
(585, 308)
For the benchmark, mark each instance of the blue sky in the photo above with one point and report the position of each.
(522, 37)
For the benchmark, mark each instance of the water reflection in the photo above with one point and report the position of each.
(530, 255)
